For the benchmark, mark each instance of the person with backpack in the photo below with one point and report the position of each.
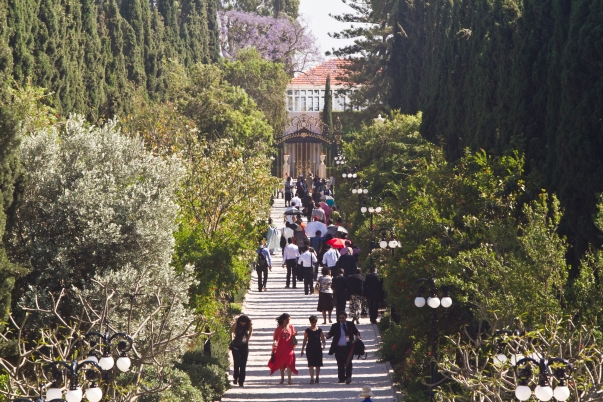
(262, 265)
(288, 188)
(343, 333)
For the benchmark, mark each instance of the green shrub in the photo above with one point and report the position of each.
(234, 309)
(206, 372)
(182, 390)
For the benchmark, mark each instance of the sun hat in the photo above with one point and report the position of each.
(366, 391)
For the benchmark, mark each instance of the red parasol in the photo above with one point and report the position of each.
(337, 243)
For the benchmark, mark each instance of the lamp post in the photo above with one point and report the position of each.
(93, 372)
(106, 362)
(434, 302)
(39, 400)
(543, 391)
(388, 240)
(372, 210)
(350, 173)
(360, 187)
(553, 369)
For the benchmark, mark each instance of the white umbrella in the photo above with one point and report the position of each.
(312, 227)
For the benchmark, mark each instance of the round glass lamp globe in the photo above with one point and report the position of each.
(355, 175)
(499, 359)
(343, 175)
(544, 393)
(371, 209)
(523, 392)
(419, 301)
(123, 364)
(74, 395)
(94, 394)
(91, 358)
(54, 393)
(446, 302)
(393, 244)
(106, 363)
(561, 393)
(433, 302)
(354, 191)
(383, 244)
(516, 358)
(365, 191)
(536, 356)
(363, 209)
(378, 209)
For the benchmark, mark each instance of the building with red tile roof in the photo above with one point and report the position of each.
(317, 76)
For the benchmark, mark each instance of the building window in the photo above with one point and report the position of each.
(296, 103)
(310, 103)
(290, 103)
(316, 109)
(322, 103)
(289, 92)
(303, 103)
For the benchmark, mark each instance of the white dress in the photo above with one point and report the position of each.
(273, 238)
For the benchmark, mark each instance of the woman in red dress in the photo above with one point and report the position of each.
(283, 356)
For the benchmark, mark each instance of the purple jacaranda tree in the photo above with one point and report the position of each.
(279, 39)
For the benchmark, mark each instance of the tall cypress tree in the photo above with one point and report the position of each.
(214, 33)
(327, 112)
(11, 185)
(194, 32)
(94, 61)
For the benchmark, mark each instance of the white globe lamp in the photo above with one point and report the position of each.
(383, 244)
(91, 358)
(371, 209)
(54, 393)
(499, 359)
(74, 395)
(523, 392)
(354, 191)
(544, 392)
(94, 394)
(124, 363)
(363, 209)
(378, 209)
(561, 393)
(106, 362)
(393, 244)
(446, 301)
(365, 191)
(419, 301)
(433, 302)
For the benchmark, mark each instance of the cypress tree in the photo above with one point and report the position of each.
(194, 32)
(21, 23)
(327, 112)
(6, 57)
(94, 62)
(214, 32)
(11, 186)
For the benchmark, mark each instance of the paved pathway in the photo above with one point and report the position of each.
(263, 308)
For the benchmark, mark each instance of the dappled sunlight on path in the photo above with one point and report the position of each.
(263, 308)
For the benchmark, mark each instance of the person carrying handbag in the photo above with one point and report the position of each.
(283, 356)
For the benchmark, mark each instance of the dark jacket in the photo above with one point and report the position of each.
(340, 286)
(348, 263)
(335, 332)
(356, 284)
(373, 286)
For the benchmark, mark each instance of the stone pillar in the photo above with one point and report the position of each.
(322, 170)
(286, 168)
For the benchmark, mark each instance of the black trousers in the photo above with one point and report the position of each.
(239, 356)
(291, 264)
(341, 355)
(308, 278)
(373, 308)
(340, 301)
(262, 277)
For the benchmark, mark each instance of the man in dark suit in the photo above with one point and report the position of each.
(340, 291)
(343, 333)
(347, 262)
(373, 292)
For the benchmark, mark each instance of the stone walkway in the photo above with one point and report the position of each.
(263, 308)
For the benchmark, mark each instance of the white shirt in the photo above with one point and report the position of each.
(330, 258)
(291, 251)
(342, 340)
(296, 201)
(307, 259)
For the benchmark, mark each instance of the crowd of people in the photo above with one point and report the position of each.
(318, 244)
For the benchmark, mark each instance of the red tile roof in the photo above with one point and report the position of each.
(317, 76)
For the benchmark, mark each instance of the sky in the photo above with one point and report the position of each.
(316, 13)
